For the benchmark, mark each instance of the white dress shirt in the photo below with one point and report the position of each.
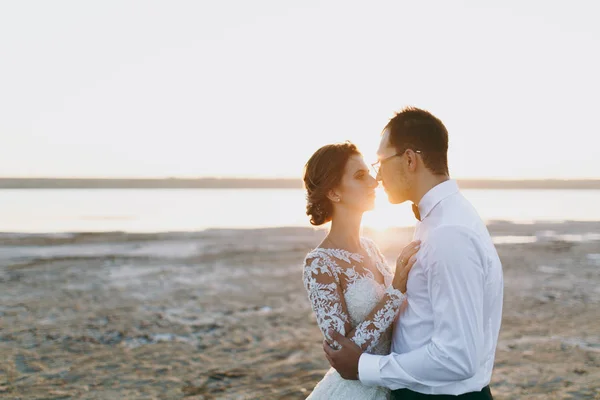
(444, 342)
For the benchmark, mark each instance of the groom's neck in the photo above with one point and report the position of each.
(425, 183)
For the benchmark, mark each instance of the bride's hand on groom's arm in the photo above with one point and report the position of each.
(404, 263)
(344, 360)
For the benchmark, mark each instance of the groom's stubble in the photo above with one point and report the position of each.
(403, 188)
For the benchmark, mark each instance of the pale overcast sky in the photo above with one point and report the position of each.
(252, 88)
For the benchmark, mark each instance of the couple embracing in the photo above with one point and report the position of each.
(429, 325)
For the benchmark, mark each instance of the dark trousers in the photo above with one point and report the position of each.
(405, 394)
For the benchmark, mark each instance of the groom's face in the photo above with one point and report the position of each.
(392, 171)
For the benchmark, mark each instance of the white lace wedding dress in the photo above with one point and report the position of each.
(346, 295)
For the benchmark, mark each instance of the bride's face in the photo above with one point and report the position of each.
(357, 188)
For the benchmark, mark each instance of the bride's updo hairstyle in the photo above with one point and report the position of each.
(323, 172)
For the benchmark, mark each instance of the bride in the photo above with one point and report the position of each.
(350, 286)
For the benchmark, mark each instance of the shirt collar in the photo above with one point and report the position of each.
(435, 195)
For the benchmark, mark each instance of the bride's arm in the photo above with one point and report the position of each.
(321, 281)
(367, 333)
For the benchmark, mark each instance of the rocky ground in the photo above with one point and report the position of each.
(222, 314)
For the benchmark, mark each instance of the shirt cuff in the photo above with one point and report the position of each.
(368, 369)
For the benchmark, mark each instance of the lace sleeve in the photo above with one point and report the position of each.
(321, 281)
(368, 332)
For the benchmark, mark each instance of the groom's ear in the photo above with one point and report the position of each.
(411, 160)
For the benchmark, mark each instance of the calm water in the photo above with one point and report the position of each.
(155, 210)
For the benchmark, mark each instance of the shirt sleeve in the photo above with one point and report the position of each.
(455, 272)
(325, 295)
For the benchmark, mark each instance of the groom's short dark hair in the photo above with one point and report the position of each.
(416, 129)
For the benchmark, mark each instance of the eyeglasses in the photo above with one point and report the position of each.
(377, 166)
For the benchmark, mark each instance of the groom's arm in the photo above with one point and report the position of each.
(456, 285)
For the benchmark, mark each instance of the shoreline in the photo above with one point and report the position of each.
(541, 230)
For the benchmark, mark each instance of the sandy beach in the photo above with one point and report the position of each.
(222, 314)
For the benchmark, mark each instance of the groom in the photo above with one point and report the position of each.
(444, 342)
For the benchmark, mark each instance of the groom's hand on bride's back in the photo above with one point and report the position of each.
(344, 360)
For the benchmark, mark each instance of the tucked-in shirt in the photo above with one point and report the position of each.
(444, 342)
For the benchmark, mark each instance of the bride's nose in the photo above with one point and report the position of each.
(373, 182)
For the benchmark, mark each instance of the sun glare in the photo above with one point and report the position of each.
(386, 215)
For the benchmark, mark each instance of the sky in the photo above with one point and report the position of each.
(252, 88)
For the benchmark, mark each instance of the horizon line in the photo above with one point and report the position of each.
(263, 178)
(263, 183)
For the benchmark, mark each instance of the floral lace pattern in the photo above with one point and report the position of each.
(368, 332)
(354, 307)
